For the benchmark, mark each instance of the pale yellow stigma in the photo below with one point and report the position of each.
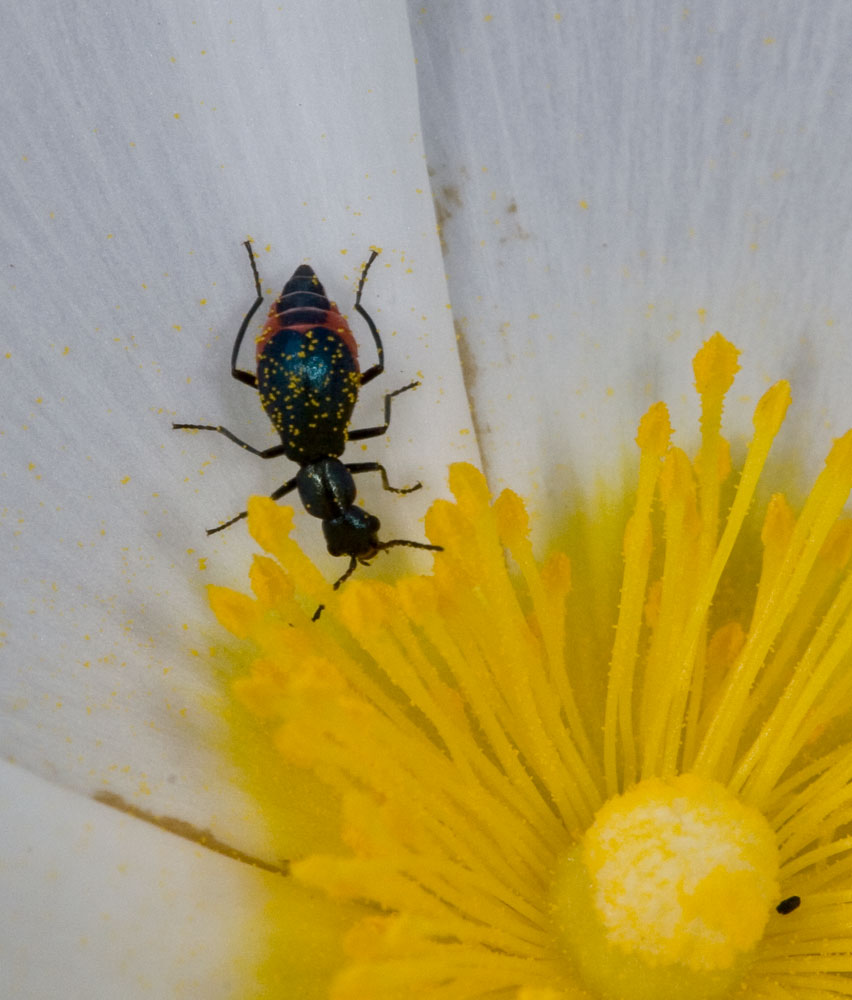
(669, 891)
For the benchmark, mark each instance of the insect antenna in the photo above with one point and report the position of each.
(411, 545)
(227, 524)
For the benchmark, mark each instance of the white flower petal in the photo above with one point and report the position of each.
(141, 146)
(98, 904)
(607, 171)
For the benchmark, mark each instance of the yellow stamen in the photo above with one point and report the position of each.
(653, 440)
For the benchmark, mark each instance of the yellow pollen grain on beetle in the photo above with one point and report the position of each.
(589, 773)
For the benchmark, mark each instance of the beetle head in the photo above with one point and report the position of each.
(353, 532)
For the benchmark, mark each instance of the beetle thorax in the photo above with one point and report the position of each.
(327, 490)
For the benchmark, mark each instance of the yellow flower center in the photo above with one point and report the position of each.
(669, 891)
(525, 778)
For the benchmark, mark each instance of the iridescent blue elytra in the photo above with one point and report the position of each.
(307, 370)
(308, 378)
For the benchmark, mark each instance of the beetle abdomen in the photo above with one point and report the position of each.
(302, 306)
(308, 383)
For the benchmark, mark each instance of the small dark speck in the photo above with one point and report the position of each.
(448, 199)
(788, 905)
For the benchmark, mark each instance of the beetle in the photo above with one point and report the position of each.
(788, 905)
(308, 379)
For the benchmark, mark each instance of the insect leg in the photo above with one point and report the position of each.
(370, 432)
(370, 373)
(273, 452)
(249, 378)
(353, 563)
(280, 492)
(356, 467)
